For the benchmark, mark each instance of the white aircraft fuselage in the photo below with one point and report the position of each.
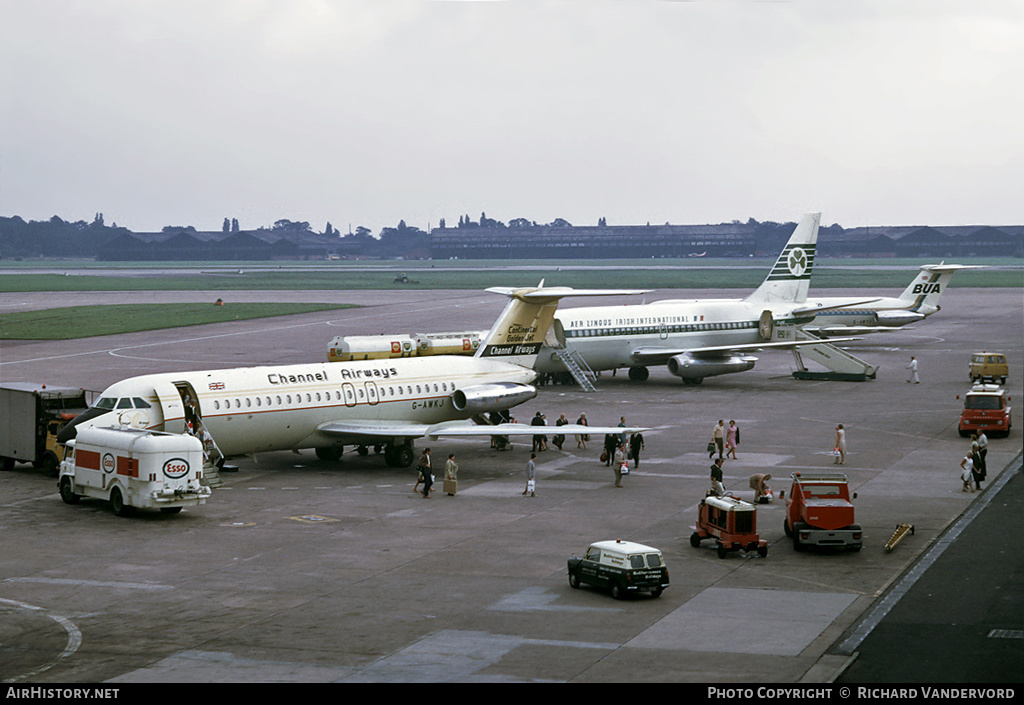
(918, 301)
(694, 338)
(256, 409)
(609, 337)
(325, 405)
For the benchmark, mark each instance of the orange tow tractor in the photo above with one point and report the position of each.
(731, 522)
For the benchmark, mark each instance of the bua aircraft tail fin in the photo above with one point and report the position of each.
(929, 284)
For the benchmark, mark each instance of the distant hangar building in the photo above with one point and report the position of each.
(593, 242)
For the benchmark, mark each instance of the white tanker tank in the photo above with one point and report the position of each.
(344, 348)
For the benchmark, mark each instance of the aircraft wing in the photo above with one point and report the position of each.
(827, 331)
(373, 429)
(821, 309)
(460, 428)
(454, 429)
(655, 356)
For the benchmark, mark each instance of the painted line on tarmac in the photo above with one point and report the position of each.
(115, 351)
(885, 605)
(74, 639)
(90, 583)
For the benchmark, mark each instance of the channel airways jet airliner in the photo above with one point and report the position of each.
(325, 406)
(698, 338)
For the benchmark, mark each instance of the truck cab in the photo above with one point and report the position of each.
(819, 512)
(986, 408)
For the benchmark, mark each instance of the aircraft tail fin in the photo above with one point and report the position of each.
(519, 332)
(790, 278)
(928, 285)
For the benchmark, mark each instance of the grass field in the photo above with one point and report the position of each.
(889, 276)
(460, 274)
(84, 321)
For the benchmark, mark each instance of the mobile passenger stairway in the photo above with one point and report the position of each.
(577, 366)
(841, 364)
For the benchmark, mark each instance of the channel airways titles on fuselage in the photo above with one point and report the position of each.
(328, 405)
(699, 338)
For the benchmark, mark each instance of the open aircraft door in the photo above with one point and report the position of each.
(172, 410)
(766, 325)
(555, 337)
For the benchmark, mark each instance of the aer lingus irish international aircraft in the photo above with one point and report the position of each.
(698, 338)
(328, 405)
(917, 302)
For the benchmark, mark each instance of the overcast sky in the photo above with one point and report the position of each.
(367, 112)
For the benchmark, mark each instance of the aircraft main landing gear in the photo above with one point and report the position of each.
(639, 374)
(398, 456)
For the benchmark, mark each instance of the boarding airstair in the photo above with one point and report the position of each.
(841, 364)
(578, 367)
(213, 459)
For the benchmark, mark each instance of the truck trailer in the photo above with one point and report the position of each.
(344, 348)
(33, 415)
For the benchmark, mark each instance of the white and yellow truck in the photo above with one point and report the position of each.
(134, 468)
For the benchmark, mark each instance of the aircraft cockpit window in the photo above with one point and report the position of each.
(106, 403)
(140, 403)
(125, 403)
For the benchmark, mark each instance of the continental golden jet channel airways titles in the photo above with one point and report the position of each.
(699, 338)
(326, 406)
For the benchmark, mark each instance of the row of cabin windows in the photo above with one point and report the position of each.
(310, 397)
(657, 330)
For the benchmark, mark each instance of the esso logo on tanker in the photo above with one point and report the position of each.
(176, 468)
(108, 462)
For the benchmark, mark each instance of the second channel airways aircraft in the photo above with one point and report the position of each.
(697, 338)
(325, 406)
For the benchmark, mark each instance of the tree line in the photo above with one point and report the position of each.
(58, 238)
